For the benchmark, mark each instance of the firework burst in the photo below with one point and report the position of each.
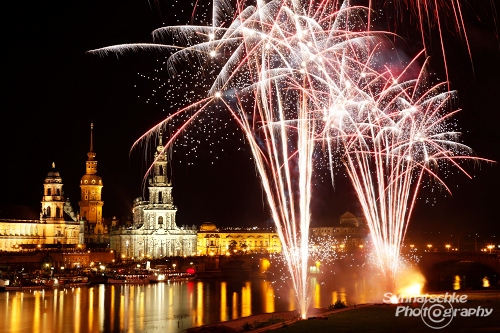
(299, 78)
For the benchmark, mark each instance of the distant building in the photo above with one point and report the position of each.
(349, 233)
(96, 232)
(154, 232)
(212, 241)
(54, 225)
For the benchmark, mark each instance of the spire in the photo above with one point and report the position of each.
(160, 148)
(91, 130)
(91, 154)
(53, 165)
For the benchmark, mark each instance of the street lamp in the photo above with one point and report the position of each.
(429, 246)
(490, 247)
(448, 247)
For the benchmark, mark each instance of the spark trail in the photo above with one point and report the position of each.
(306, 77)
(393, 136)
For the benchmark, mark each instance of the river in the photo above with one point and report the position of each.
(162, 307)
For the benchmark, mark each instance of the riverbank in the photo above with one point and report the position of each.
(373, 318)
(267, 321)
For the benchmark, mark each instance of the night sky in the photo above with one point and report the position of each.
(52, 90)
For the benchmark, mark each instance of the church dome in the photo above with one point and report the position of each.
(53, 176)
(91, 180)
(208, 226)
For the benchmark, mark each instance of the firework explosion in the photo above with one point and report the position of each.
(302, 78)
(392, 136)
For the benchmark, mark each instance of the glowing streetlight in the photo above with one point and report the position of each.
(448, 247)
(490, 247)
(429, 246)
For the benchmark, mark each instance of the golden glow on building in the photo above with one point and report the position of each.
(90, 198)
(214, 241)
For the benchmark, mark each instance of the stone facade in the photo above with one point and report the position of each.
(350, 233)
(212, 241)
(96, 232)
(55, 225)
(154, 232)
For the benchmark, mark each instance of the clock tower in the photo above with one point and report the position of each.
(90, 202)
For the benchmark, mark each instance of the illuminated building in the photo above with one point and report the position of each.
(23, 227)
(154, 232)
(212, 241)
(90, 202)
(350, 233)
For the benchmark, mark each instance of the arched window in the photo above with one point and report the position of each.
(48, 211)
(48, 191)
(160, 197)
(58, 212)
(160, 220)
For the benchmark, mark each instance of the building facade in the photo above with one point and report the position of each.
(350, 233)
(212, 241)
(56, 224)
(96, 232)
(154, 232)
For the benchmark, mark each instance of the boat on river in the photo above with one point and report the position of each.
(128, 279)
(74, 281)
(161, 275)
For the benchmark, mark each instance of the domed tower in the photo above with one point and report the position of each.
(90, 189)
(58, 226)
(53, 199)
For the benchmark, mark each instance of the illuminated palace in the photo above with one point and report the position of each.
(212, 241)
(23, 227)
(154, 232)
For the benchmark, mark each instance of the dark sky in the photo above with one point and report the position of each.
(52, 90)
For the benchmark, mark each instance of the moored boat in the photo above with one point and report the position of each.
(128, 279)
(162, 275)
(74, 281)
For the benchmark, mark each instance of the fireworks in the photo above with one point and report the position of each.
(302, 79)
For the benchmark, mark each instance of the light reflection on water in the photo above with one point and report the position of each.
(163, 307)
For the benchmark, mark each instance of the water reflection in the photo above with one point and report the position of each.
(163, 307)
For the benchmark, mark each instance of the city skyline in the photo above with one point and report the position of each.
(55, 90)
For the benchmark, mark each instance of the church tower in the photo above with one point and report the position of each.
(154, 233)
(90, 202)
(58, 228)
(160, 187)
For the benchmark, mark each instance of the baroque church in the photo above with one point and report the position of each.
(56, 224)
(154, 232)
